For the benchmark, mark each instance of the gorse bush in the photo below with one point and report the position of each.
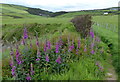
(39, 60)
(82, 24)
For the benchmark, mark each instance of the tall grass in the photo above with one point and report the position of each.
(111, 39)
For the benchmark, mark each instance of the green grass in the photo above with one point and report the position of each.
(82, 70)
(113, 19)
(40, 20)
(108, 36)
(12, 9)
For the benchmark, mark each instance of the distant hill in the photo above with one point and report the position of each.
(18, 11)
(15, 11)
(110, 11)
(40, 12)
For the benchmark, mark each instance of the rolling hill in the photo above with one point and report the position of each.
(15, 11)
(18, 11)
(110, 11)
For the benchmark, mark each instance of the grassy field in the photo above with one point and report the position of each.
(108, 22)
(39, 20)
(52, 28)
(109, 36)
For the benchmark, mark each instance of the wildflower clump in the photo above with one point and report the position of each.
(35, 59)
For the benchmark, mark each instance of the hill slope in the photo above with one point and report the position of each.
(15, 11)
(110, 11)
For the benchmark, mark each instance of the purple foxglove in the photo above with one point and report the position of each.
(58, 60)
(47, 58)
(19, 62)
(18, 58)
(60, 42)
(23, 42)
(97, 39)
(92, 51)
(77, 51)
(17, 55)
(11, 63)
(13, 70)
(37, 59)
(92, 34)
(57, 51)
(38, 53)
(92, 45)
(32, 72)
(57, 47)
(71, 48)
(97, 64)
(25, 33)
(45, 48)
(28, 77)
(30, 44)
(85, 49)
(37, 42)
(48, 45)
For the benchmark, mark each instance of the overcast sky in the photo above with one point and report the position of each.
(64, 5)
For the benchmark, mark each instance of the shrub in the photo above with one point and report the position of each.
(82, 24)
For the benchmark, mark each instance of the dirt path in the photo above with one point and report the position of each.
(111, 73)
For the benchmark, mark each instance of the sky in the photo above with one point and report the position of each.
(64, 5)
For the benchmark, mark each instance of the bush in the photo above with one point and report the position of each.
(83, 24)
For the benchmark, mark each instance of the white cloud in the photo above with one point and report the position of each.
(58, 5)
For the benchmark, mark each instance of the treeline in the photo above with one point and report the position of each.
(40, 12)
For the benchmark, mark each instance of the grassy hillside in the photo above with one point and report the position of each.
(21, 14)
(14, 11)
(73, 14)
(111, 11)
(108, 19)
(17, 11)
